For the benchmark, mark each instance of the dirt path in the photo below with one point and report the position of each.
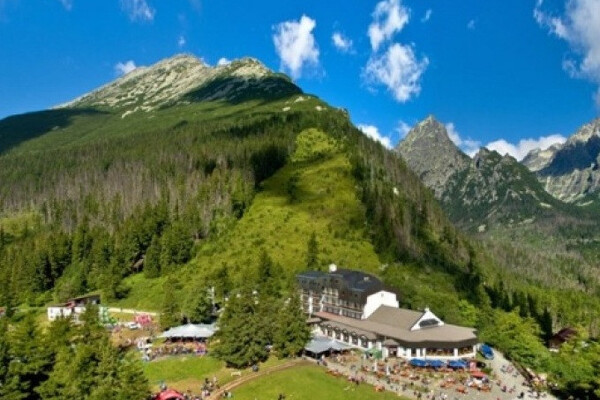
(254, 375)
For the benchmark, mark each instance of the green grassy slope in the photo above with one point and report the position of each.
(281, 221)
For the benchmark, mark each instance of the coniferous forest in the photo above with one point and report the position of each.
(152, 212)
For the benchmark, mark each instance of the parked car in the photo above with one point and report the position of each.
(133, 325)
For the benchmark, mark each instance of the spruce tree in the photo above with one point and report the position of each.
(198, 304)
(152, 259)
(170, 313)
(242, 339)
(312, 253)
(292, 332)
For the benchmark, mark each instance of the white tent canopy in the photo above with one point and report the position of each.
(322, 344)
(192, 331)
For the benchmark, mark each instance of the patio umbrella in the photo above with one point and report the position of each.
(457, 364)
(436, 363)
(415, 362)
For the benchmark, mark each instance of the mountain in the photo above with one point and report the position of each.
(183, 78)
(571, 171)
(180, 170)
(432, 155)
(487, 189)
(180, 177)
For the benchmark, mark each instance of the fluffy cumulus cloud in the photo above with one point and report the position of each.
(181, 41)
(341, 42)
(398, 69)
(295, 45)
(373, 132)
(468, 145)
(389, 17)
(520, 150)
(138, 10)
(579, 26)
(125, 68)
(223, 61)
(427, 15)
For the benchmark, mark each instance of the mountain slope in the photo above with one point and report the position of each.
(571, 171)
(487, 189)
(428, 138)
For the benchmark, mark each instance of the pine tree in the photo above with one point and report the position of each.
(269, 275)
(312, 253)
(170, 314)
(30, 365)
(546, 324)
(198, 304)
(292, 332)
(242, 339)
(152, 259)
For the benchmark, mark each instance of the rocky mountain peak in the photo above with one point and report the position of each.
(430, 153)
(571, 171)
(184, 78)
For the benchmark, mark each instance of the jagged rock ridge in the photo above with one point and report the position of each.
(474, 192)
(185, 78)
(432, 155)
(571, 171)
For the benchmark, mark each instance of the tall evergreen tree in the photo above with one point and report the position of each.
(198, 305)
(170, 314)
(242, 334)
(292, 332)
(152, 259)
(312, 253)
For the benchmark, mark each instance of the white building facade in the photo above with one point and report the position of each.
(355, 308)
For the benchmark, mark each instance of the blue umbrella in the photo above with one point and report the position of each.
(436, 363)
(415, 362)
(457, 364)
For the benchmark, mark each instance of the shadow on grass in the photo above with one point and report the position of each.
(20, 128)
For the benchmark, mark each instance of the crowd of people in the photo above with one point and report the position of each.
(152, 352)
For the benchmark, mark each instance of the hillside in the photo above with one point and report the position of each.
(178, 177)
(200, 176)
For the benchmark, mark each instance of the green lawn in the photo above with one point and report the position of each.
(175, 369)
(188, 372)
(307, 383)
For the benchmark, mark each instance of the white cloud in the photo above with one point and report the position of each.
(471, 24)
(469, 146)
(427, 15)
(295, 45)
(389, 17)
(138, 10)
(579, 26)
(520, 150)
(341, 42)
(223, 61)
(372, 132)
(399, 70)
(181, 41)
(67, 4)
(403, 129)
(125, 68)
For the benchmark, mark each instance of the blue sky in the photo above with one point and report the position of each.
(510, 74)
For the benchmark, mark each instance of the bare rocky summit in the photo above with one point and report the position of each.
(184, 78)
(571, 171)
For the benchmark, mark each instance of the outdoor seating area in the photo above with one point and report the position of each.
(429, 378)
